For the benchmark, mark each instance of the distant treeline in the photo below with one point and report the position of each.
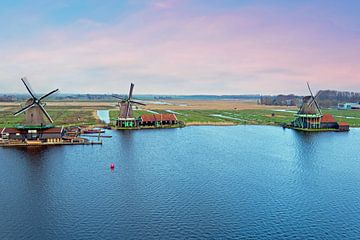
(7, 98)
(326, 98)
(109, 97)
(329, 98)
(281, 100)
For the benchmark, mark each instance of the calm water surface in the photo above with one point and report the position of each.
(196, 182)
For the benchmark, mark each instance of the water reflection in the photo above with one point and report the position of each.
(200, 182)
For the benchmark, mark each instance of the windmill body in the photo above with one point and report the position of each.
(123, 109)
(126, 118)
(309, 115)
(34, 116)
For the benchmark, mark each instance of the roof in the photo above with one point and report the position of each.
(158, 117)
(343, 124)
(328, 118)
(15, 130)
(53, 130)
(10, 130)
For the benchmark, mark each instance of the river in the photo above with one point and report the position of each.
(196, 182)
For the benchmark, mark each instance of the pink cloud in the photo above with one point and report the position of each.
(248, 50)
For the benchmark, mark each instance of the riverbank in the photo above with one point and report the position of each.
(192, 113)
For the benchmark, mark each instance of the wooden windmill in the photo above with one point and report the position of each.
(309, 115)
(35, 113)
(126, 118)
(309, 105)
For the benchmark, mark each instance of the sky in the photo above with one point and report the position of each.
(180, 46)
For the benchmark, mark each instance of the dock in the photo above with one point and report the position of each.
(26, 144)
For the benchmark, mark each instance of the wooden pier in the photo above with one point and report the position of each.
(27, 144)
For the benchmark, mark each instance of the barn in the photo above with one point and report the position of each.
(49, 134)
(158, 119)
(328, 121)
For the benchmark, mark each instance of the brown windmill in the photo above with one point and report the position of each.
(126, 114)
(309, 115)
(35, 113)
(309, 105)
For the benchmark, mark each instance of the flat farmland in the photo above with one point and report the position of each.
(191, 112)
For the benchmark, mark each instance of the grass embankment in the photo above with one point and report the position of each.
(86, 115)
(222, 117)
(61, 117)
(251, 116)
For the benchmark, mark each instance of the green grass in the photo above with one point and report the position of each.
(85, 116)
(61, 117)
(72, 117)
(256, 117)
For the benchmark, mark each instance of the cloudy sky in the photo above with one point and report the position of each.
(180, 46)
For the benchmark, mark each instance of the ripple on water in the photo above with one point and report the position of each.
(197, 182)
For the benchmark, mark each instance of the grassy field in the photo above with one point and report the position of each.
(85, 114)
(250, 116)
(61, 117)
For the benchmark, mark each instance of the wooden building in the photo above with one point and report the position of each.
(328, 121)
(23, 134)
(158, 120)
(344, 127)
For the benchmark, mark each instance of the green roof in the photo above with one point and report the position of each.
(309, 115)
(34, 127)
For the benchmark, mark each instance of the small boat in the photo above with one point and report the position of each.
(93, 131)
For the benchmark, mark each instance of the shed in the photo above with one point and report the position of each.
(158, 119)
(344, 127)
(55, 132)
(328, 121)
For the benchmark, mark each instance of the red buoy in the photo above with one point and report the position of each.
(112, 166)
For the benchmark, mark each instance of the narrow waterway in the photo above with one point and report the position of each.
(104, 116)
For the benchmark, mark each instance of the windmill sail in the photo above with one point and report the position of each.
(126, 103)
(34, 108)
(309, 105)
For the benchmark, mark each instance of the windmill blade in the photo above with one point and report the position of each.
(314, 98)
(318, 107)
(27, 85)
(136, 102)
(46, 95)
(127, 110)
(316, 104)
(312, 95)
(131, 91)
(24, 109)
(46, 114)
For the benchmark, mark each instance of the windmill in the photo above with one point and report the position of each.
(309, 115)
(34, 110)
(126, 103)
(309, 104)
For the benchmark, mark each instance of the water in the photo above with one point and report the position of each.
(103, 116)
(196, 182)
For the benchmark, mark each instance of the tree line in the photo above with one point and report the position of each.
(325, 98)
